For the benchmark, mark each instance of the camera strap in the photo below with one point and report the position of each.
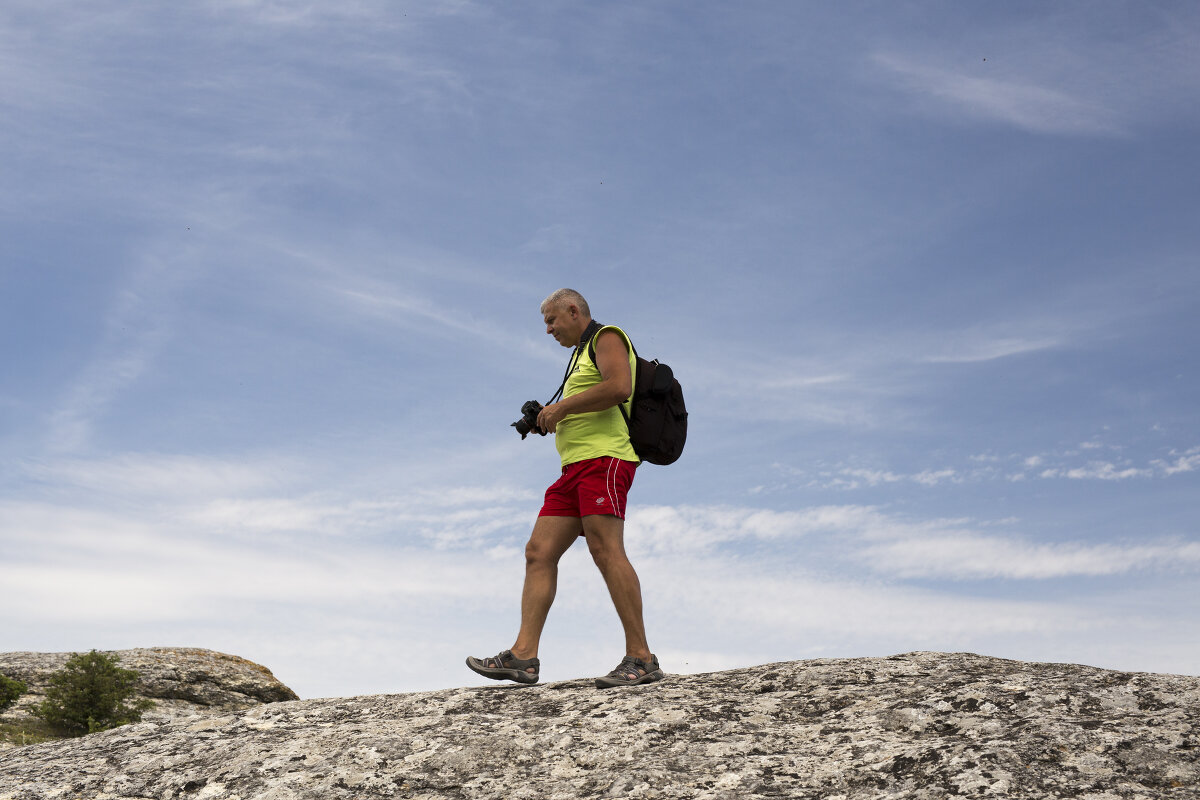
(588, 333)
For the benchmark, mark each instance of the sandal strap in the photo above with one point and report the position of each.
(506, 660)
(638, 664)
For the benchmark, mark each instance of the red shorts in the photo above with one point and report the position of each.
(591, 486)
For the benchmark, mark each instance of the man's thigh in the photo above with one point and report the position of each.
(605, 531)
(553, 535)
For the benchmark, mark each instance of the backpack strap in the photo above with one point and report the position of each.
(591, 342)
(589, 334)
(592, 355)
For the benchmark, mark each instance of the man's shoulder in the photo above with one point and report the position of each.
(610, 332)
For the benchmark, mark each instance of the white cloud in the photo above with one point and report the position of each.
(800, 381)
(898, 546)
(966, 351)
(99, 385)
(130, 566)
(842, 388)
(965, 555)
(868, 383)
(288, 13)
(901, 547)
(131, 333)
(751, 584)
(850, 478)
(164, 476)
(1022, 104)
(1046, 466)
(1098, 470)
(871, 477)
(669, 529)
(1186, 462)
(934, 477)
(434, 309)
(743, 601)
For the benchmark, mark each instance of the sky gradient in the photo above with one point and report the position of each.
(269, 286)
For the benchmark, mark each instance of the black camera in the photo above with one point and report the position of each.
(528, 420)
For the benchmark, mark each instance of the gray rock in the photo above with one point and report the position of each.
(921, 725)
(180, 681)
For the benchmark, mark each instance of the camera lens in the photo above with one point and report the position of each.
(528, 420)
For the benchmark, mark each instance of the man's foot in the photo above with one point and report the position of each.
(632, 672)
(506, 667)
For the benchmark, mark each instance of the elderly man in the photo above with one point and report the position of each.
(598, 465)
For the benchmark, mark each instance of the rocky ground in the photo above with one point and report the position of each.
(921, 725)
(179, 681)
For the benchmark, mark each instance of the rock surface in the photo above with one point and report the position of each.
(180, 681)
(921, 725)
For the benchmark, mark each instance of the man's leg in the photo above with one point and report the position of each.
(551, 537)
(606, 540)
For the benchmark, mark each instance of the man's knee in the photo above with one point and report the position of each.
(538, 553)
(606, 547)
(600, 551)
(551, 537)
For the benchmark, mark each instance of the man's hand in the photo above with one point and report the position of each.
(616, 384)
(550, 416)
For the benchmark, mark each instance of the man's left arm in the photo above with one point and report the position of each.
(616, 383)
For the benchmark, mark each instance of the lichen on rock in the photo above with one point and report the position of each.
(920, 725)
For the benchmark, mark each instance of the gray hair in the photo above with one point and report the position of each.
(564, 297)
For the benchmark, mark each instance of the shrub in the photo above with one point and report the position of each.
(10, 690)
(89, 694)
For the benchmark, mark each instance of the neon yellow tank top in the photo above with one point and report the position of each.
(597, 433)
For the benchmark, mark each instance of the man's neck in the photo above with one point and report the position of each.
(589, 331)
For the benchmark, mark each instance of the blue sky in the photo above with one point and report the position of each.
(269, 297)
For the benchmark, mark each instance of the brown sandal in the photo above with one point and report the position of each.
(632, 672)
(506, 667)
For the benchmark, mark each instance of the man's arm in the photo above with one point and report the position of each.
(616, 382)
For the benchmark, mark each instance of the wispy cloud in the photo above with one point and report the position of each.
(1180, 462)
(866, 382)
(182, 543)
(958, 351)
(857, 477)
(1098, 470)
(155, 569)
(1025, 105)
(670, 529)
(841, 390)
(135, 328)
(162, 478)
(902, 547)
(967, 555)
(441, 319)
(104, 568)
(1076, 463)
(96, 387)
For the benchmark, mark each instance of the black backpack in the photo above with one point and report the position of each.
(658, 418)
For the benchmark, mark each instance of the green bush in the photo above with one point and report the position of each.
(10, 690)
(89, 694)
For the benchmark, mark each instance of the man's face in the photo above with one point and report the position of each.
(562, 322)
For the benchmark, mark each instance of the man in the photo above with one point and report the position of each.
(588, 500)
